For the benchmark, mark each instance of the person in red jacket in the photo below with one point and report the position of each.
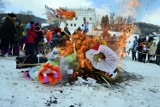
(30, 40)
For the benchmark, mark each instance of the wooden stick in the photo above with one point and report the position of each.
(5, 58)
(36, 64)
(106, 81)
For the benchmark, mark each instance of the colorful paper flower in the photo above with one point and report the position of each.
(49, 73)
(103, 58)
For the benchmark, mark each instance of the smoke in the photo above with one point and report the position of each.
(128, 7)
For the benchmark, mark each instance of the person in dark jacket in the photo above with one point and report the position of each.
(0, 38)
(7, 32)
(158, 53)
(134, 50)
(140, 47)
(38, 39)
(17, 37)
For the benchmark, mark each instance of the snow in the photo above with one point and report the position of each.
(141, 91)
(17, 91)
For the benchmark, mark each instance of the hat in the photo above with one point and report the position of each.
(11, 15)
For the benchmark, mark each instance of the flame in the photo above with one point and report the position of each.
(83, 43)
(67, 49)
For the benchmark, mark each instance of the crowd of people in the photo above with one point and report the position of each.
(146, 49)
(30, 39)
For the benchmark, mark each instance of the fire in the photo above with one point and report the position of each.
(82, 43)
(66, 49)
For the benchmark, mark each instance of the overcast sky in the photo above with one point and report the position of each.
(147, 11)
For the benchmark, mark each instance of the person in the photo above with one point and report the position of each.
(135, 39)
(158, 53)
(38, 39)
(144, 52)
(31, 35)
(17, 37)
(140, 47)
(152, 52)
(3, 19)
(7, 32)
(134, 50)
(0, 38)
(56, 35)
(24, 38)
(149, 43)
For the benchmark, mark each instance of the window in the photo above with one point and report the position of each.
(82, 25)
(90, 18)
(66, 24)
(76, 18)
(71, 24)
(75, 25)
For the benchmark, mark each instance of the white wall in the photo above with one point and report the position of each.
(89, 14)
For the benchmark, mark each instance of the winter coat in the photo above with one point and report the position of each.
(140, 44)
(31, 36)
(153, 49)
(7, 30)
(39, 37)
(134, 47)
(158, 48)
(18, 35)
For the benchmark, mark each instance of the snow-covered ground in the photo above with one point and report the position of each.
(141, 90)
(144, 91)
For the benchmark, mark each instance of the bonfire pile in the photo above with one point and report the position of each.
(80, 44)
(83, 57)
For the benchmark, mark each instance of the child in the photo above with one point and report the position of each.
(17, 37)
(134, 50)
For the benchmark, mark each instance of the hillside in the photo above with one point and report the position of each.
(147, 28)
(25, 18)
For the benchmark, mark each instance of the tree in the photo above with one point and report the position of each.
(112, 17)
(105, 22)
(130, 20)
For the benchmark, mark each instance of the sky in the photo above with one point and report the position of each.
(146, 11)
